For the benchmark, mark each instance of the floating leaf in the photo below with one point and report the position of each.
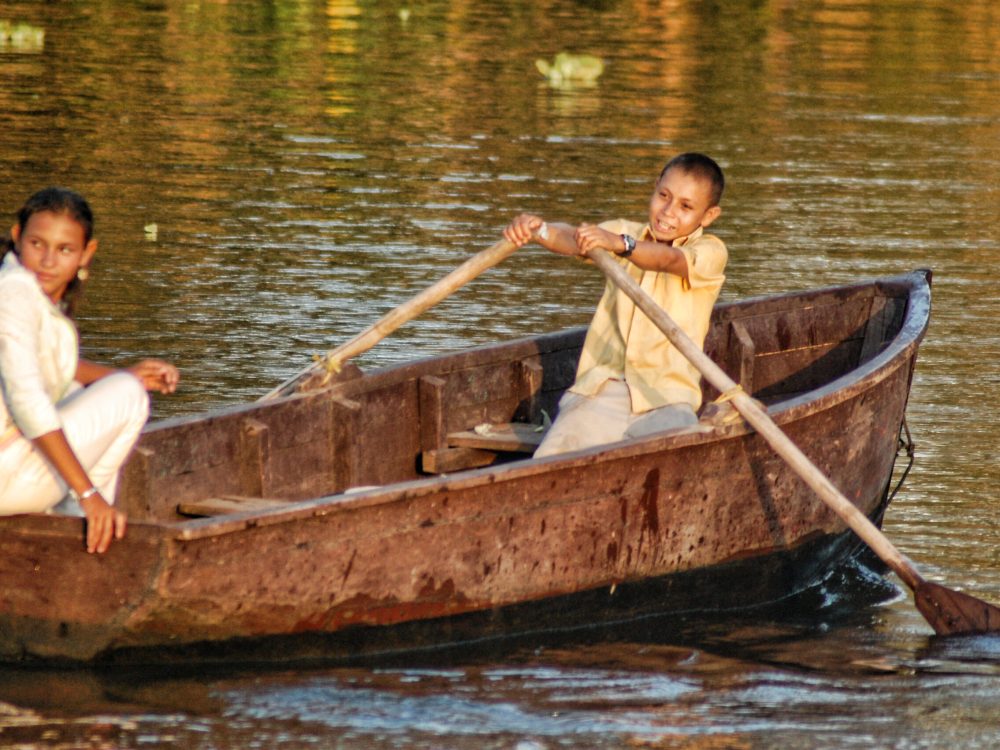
(568, 70)
(151, 231)
(21, 37)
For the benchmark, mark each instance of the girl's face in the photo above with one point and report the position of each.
(53, 247)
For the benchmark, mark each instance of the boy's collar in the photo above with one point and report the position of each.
(647, 234)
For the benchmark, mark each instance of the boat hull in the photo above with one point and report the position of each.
(708, 520)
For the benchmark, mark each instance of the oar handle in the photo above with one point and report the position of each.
(761, 422)
(406, 312)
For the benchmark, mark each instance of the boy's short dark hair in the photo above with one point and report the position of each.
(701, 166)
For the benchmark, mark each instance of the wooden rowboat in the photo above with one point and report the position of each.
(400, 508)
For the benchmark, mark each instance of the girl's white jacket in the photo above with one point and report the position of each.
(39, 351)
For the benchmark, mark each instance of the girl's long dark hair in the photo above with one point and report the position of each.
(57, 200)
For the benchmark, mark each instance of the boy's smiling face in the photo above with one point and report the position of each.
(681, 203)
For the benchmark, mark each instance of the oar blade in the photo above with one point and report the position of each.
(951, 612)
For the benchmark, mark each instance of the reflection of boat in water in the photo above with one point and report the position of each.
(372, 513)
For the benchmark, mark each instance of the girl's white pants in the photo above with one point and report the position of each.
(101, 423)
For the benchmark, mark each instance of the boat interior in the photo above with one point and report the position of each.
(482, 407)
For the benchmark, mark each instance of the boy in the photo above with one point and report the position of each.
(630, 380)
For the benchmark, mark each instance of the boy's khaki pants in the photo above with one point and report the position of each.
(606, 417)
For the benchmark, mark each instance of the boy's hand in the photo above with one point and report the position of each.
(156, 375)
(590, 237)
(523, 229)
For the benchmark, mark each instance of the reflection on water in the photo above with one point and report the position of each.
(310, 165)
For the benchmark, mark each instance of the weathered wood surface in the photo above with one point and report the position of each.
(514, 437)
(220, 506)
(411, 547)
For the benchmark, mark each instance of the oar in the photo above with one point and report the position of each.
(948, 612)
(406, 312)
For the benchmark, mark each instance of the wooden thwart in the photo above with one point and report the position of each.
(516, 437)
(226, 504)
(469, 449)
(447, 460)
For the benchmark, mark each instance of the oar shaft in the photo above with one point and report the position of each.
(762, 423)
(432, 295)
(406, 312)
(822, 486)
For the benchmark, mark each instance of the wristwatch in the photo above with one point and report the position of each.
(629, 241)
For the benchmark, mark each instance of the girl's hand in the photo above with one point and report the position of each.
(523, 229)
(156, 375)
(104, 523)
(590, 237)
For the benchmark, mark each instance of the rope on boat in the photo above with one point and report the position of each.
(905, 444)
(730, 394)
(721, 411)
(329, 363)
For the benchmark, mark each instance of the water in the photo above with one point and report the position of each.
(310, 165)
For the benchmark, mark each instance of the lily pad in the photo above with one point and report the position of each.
(21, 37)
(567, 69)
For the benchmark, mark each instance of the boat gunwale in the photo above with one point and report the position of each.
(898, 352)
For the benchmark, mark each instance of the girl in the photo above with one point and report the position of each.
(66, 424)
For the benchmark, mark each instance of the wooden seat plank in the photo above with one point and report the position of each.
(514, 437)
(448, 460)
(227, 504)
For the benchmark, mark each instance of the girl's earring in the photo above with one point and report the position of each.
(82, 273)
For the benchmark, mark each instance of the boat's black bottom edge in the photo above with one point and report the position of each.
(660, 608)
